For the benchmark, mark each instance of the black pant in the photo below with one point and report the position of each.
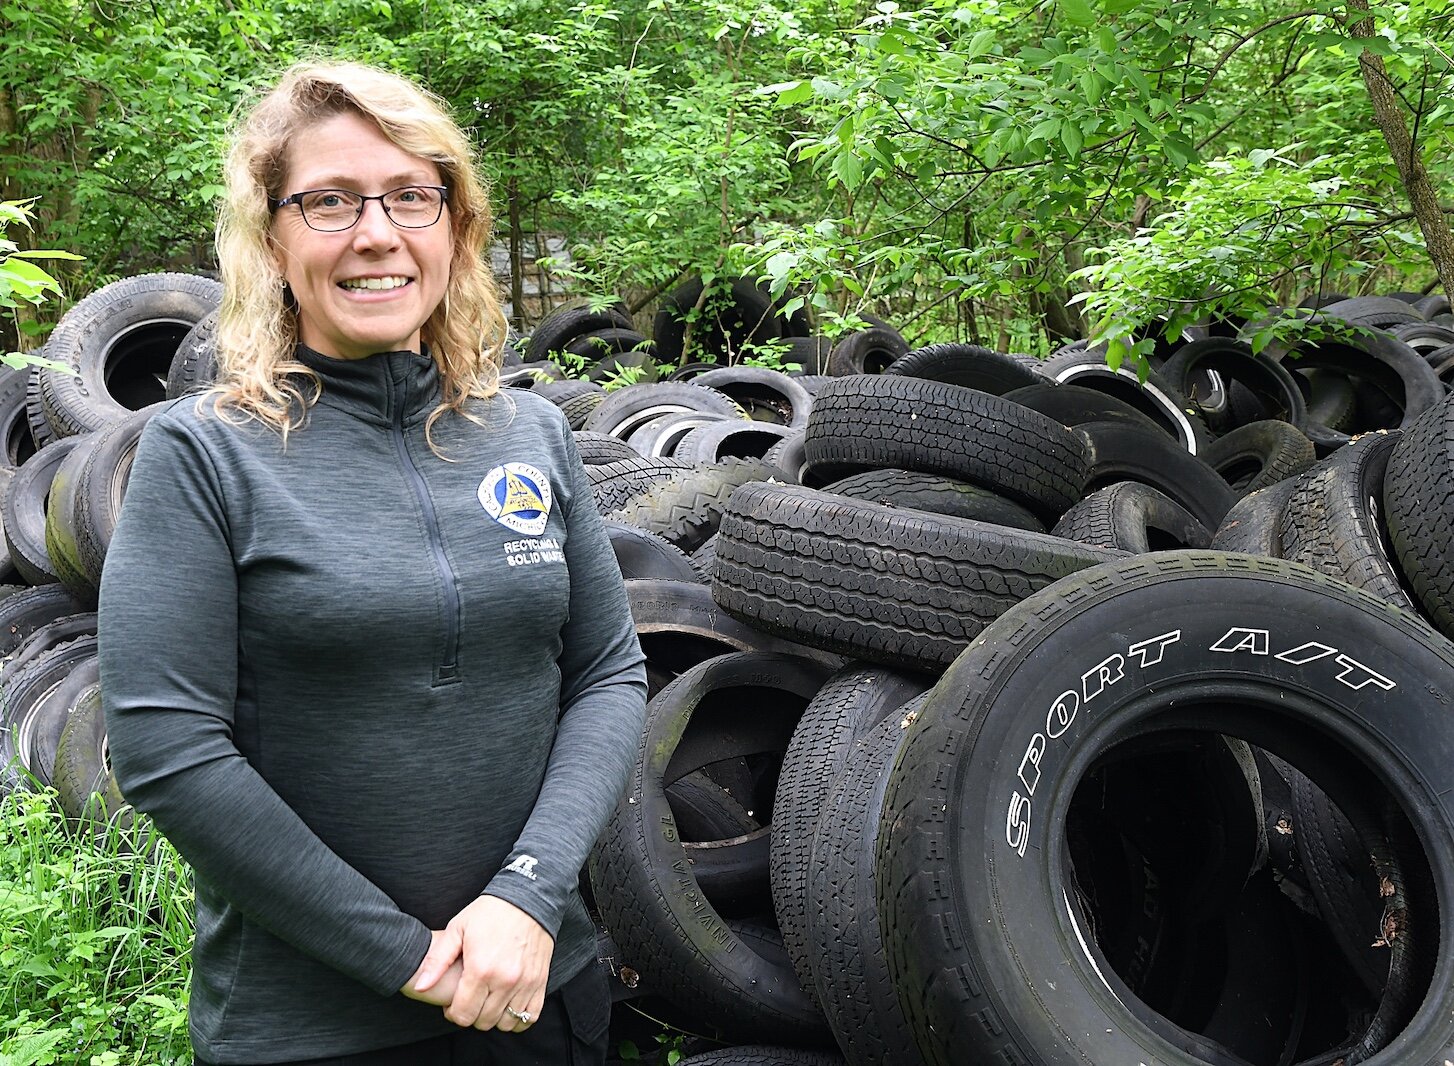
(571, 1031)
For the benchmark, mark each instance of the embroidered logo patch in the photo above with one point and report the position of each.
(518, 497)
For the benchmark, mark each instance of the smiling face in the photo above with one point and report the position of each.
(370, 288)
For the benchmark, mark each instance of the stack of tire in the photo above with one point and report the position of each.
(70, 437)
(961, 745)
(697, 330)
(1068, 795)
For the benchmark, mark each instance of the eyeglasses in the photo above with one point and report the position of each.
(333, 210)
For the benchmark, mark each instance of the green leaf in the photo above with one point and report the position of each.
(829, 90)
(981, 43)
(1070, 136)
(789, 92)
(46, 253)
(1080, 12)
(847, 169)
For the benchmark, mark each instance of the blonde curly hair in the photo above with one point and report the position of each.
(257, 333)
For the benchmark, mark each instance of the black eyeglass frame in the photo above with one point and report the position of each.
(297, 198)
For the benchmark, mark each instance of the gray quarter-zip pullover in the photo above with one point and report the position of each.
(357, 685)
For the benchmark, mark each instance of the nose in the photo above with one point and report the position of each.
(373, 229)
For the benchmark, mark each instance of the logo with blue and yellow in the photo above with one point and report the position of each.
(518, 497)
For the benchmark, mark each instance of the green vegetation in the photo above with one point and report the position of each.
(962, 168)
(23, 285)
(95, 932)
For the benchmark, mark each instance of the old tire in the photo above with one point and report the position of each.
(975, 893)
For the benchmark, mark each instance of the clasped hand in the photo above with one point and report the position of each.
(492, 955)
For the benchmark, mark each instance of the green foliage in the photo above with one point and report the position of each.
(951, 164)
(21, 281)
(669, 1051)
(1236, 230)
(95, 935)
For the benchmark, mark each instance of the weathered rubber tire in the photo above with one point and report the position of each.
(974, 895)
(719, 440)
(1121, 452)
(54, 706)
(597, 449)
(62, 537)
(909, 590)
(616, 483)
(1331, 522)
(1254, 524)
(868, 351)
(1418, 500)
(40, 430)
(625, 410)
(1075, 405)
(194, 366)
(686, 505)
(1378, 363)
(577, 409)
(912, 424)
(17, 443)
(596, 345)
(1259, 454)
(662, 434)
(643, 555)
(938, 495)
(85, 786)
(1132, 517)
(1381, 312)
(101, 489)
(809, 354)
(30, 727)
(845, 940)
(642, 362)
(967, 365)
(704, 558)
(790, 456)
(1260, 374)
(680, 625)
(121, 339)
(559, 391)
(22, 510)
(563, 324)
(766, 395)
(1424, 337)
(24, 612)
(1158, 398)
(1334, 860)
(648, 892)
(747, 316)
(848, 706)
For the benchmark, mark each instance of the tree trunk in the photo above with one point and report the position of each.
(1422, 197)
(517, 255)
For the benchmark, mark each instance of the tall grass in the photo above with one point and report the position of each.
(95, 932)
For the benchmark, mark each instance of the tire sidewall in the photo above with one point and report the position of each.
(985, 843)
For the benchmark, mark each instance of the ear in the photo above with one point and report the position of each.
(280, 257)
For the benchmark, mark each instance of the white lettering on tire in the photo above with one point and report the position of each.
(1149, 652)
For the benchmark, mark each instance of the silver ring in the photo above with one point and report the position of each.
(521, 1016)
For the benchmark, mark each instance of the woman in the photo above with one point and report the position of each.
(368, 661)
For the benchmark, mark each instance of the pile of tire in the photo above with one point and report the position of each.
(1000, 710)
(1133, 745)
(70, 438)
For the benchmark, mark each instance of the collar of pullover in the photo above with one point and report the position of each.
(389, 387)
